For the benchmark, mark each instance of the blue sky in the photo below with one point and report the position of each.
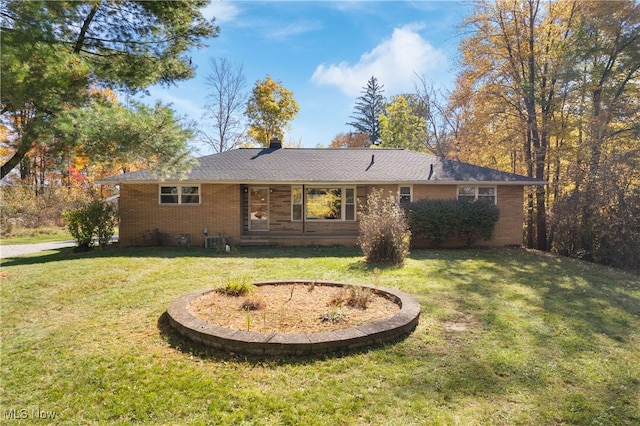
(324, 52)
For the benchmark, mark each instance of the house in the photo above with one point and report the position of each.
(301, 196)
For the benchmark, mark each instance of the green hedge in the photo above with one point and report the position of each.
(439, 220)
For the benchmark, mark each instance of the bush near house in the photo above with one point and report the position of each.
(384, 232)
(98, 219)
(440, 220)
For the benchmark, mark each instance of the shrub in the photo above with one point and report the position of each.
(598, 229)
(438, 220)
(237, 286)
(353, 296)
(432, 219)
(105, 215)
(253, 304)
(155, 238)
(98, 219)
(333, 317)
(80, 226)
(384, 233)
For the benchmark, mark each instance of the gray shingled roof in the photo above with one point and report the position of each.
(288, 165)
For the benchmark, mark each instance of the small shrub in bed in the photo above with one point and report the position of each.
(333, 317)
(237, 287)
(253, 304)
(353, 296)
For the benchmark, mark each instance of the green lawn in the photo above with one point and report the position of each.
(36, 235)
(505, 337)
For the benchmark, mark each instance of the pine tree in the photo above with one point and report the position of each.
(368, 109)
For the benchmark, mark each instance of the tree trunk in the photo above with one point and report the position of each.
(16, 158)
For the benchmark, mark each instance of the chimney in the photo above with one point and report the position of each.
(275, 143)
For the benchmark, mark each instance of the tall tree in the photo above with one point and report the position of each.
(270, 108)
(400, 127)
(550, 89)
(511, 67)
(603, 198)
(441, 119)
(350, 140)
(53, 52)
(111, 134)
(225, 105)
(368, 109)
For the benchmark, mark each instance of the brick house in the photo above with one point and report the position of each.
(301, 196)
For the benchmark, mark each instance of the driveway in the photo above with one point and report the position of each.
(14, 250)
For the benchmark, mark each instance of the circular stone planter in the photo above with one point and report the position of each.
(389, 329)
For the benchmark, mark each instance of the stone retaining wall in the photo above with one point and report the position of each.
(387, 330)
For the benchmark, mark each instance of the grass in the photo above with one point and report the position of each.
(506, 337)
(36, 235)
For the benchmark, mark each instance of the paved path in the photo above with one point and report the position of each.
(13, 250)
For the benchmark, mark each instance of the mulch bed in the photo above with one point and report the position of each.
(291, 308)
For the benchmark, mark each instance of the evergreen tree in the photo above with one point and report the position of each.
(54, 53)
(368, 109)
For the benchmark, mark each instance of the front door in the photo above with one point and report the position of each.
(258, 208)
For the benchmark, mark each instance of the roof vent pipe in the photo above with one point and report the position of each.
(373, 159)
(275, 143)
(430, 171)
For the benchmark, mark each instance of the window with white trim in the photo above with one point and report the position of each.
(323, 203)
(405, 194)
(477, 193)
(179, 194)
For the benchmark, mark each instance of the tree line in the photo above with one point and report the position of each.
(69, 69)
(547, 89)
(550, 90)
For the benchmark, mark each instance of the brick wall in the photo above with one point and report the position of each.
(141, 214)
(509, 229)
(223, 210)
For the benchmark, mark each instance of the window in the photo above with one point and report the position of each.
(467, 193)
(404, 194)
(487, 194)
(350, 204)
(296, 203)
(180, 194)
(323, 203)
(477, 193)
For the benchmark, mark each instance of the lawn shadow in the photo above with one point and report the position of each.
(48, 256)
(572, 289)
(551, 305)
(528, 310)
(269, 252)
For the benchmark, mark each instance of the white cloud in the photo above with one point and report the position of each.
(289, 30)
(223, 11)
(182, 105)
(394, 62)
